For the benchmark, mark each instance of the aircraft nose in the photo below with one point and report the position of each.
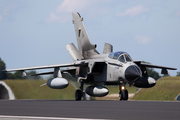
(133, 73)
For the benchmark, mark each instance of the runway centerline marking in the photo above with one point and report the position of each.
(46, 118)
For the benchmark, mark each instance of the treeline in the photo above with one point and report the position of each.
(16, 75)
(3, 75)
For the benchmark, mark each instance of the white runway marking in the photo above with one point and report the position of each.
(43, 118)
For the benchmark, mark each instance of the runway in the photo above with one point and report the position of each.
(126, 110)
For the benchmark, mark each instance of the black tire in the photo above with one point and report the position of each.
(126, 95)
(120, 96)
(78, 95)
(123, 97)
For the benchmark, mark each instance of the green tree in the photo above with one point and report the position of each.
(32, 72)
(2, 67)
(9, 75)
(151, 72)
(16, 75)
(178, 74)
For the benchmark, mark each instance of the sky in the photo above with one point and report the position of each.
(34, 33)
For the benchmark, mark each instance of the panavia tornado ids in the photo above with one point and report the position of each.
(97, 70)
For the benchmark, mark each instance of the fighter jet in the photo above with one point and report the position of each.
(97, 70)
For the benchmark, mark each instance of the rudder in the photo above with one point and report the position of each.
(84, 45)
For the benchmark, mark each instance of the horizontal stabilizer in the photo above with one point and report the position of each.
(74, 52)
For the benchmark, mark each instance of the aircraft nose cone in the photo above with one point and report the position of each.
(133, 73)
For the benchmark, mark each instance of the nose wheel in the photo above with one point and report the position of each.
(123, 94)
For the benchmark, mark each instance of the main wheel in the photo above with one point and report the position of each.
(123, 95)
(120, 96)
(126, 95)
(78, 95)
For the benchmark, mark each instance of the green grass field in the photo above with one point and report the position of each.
(166, 89)
(115, 89)
(30, 89)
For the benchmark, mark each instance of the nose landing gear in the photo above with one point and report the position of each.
(123, 94)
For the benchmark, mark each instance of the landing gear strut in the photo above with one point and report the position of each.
(123, 94)
(79, 92)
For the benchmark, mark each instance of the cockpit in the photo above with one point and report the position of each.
(121, 56)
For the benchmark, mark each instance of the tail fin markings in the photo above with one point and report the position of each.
(84, 45)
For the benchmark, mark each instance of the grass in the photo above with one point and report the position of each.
(30, 89)
(166, 88)
(115, 89)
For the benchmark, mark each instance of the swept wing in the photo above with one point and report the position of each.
(164, 68)
(77, 63)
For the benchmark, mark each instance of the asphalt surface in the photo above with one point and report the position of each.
(126, 110)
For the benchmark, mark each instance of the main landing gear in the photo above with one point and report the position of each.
(123, 94)
(79, 92)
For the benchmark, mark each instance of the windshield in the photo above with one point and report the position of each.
(121, 56)
(115, 55)
(127, 58)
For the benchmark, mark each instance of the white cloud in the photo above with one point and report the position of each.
(5, 11)
(134, 11)
(53, 17)
(143, 39)
(62, 12)
(71, 5)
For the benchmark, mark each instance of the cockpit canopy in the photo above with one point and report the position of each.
(121, 56)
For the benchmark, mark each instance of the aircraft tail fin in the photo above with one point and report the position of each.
(84, 45)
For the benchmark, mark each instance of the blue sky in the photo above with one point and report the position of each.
(34, 33)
